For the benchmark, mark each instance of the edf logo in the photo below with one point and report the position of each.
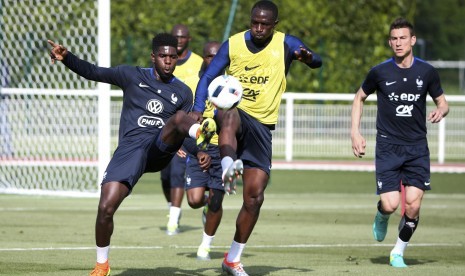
(409, 97)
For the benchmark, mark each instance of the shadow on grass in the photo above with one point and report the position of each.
(183, 228)
(216, 257)
(252, 270)
(408, 261)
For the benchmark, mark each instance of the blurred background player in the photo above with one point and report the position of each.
(199, 180)
(172, 177)
(260, 57)
(142, 147)
(402, 155)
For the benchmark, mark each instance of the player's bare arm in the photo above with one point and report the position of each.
(441, 111)
(358, 141)
(304, 55)
(58, 51)
(196, 115)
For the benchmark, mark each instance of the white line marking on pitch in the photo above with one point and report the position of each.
(249, 246)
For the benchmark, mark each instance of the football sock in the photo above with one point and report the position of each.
(207, 240)
(226, 163)
(174, 215)
(399, 247)
(235, 252)
(193, 130)
(407, 227)
(102, 254)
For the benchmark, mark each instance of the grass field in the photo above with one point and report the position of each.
(312, 223)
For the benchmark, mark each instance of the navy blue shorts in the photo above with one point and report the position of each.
(174, 172)
(210, 179)
(407, 163)
(137, 155)
(254, 143)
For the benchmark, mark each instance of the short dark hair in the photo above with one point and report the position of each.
(268, 6)
(164, 39)
(402, 23)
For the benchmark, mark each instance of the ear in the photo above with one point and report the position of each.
(413, 40)
(152, 57)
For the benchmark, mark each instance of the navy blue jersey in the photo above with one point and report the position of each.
(401, 92)
(147, 102)
(221, 61)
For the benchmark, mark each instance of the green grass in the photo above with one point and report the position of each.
(312, 223)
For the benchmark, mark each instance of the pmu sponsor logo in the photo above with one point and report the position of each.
(149, 121)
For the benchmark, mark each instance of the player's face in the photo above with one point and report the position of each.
(210, 53)
(401, 42)
(183, 39)
(262, 23)
(164, 61)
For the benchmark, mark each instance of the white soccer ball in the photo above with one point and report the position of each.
(225, 92)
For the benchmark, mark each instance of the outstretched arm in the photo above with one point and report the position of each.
(441, 111)
(58, 52)
(358, 141)
(301, 52)
(304, 55)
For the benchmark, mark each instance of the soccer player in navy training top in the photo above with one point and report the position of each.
(153, 125)
(260, 58)
(402, 155)
(172, 176)
(198, 180)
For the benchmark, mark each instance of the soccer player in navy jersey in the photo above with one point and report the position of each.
(172, 177)
(260, 58)
(199, 180)
(402, 155)
(153, 125)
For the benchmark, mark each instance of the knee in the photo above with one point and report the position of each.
(216, 201)
(388, 207)
(106, 210)
(195, 202)
(255, 202)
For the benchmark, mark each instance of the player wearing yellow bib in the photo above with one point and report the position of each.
(260, 58)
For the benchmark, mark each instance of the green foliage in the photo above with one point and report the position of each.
(350, 35)
(443, 28)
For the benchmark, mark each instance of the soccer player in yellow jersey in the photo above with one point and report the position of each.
(187, 70)
(260, 58)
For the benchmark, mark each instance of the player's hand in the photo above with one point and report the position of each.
(358, 145)
(58, 51)
(205, 160)
(196, 116)
(435, 116)
(304, 55)
(181, 153)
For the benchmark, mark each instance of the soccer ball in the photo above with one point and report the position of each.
(225, 92)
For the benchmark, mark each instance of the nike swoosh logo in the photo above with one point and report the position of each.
(251, 68)
(143, 85)
(389, 83)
